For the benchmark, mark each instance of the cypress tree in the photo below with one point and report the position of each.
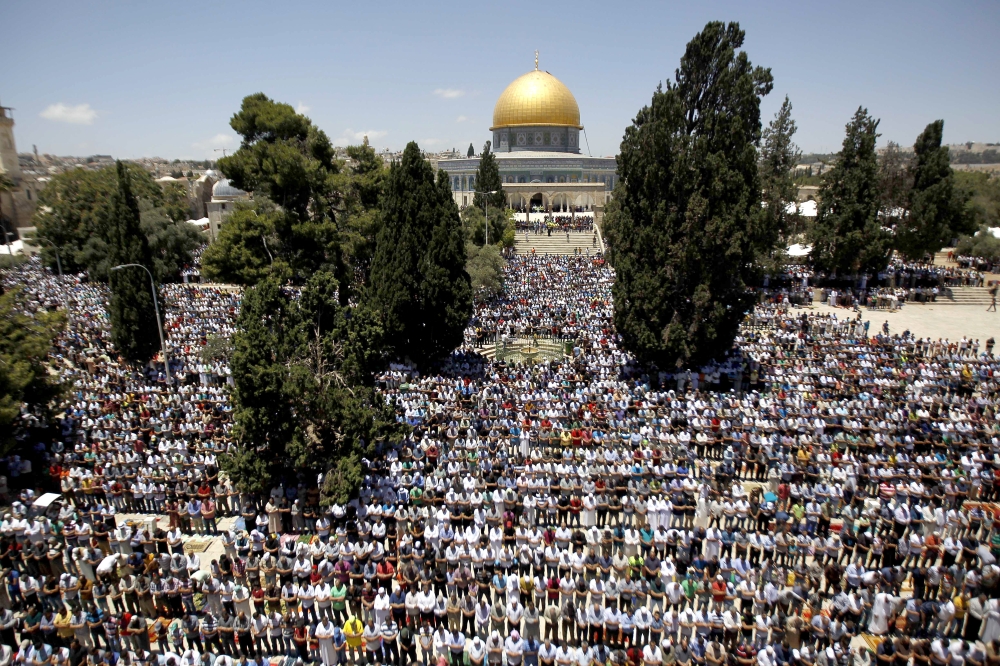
(446, 285)
(935, 211)
(778, 157)
(418, 279)
(685, 223)
(848, 234)
(133, 317)
(262, 413)
(488, 180)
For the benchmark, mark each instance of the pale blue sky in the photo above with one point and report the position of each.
(144, 78)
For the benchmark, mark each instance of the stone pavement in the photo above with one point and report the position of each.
(214, 549)
(930, 320)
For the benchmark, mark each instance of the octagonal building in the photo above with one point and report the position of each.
(537, 137)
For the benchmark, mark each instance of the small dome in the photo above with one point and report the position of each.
(536, 98)
(224, 189)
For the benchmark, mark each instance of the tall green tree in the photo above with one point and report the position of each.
(172, 244)
(488, 180)
(474, 222)
(262, 408)
(134, 329)
(936, 210)
(983, 244)
(25, 382)
(177, 204)
(471, 152)
(895, 181)
(359, 222)
(848, 235)
(340, 419)
(778, 157)
(981, 193)
(485, 266)
(244, 252)
(418, 279)
(288, 159)
(304, 402)
(685, 223)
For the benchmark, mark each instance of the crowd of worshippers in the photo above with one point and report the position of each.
(821, 482)
(980, 264)
(889, 289)
(557, 222)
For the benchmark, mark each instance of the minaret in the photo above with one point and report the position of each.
(8, 149)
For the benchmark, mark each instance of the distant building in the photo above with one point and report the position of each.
(808, 193)
(222, 204)
(18, 205)
(202, 191)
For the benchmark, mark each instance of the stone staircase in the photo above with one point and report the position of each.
(556, 243)
(966, 296)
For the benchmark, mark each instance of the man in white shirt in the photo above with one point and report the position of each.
(652, 655)
(513, 648)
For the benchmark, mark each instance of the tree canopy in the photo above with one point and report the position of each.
(983, 245)
(367, 174)
(25, 341)
(287, 159)
(75, 204)
(936, 208)
(323, 213)
(981, 193)
(419, 283)
(242, 253)
(501, 222)
(485, 267)
(685, 224)
(304, 405)
(848, 235)
(488, 180)
(778, 157)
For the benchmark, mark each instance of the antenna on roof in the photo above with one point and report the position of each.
(536, 60)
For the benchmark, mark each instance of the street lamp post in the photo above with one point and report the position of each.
(486, 206)
(156, 307)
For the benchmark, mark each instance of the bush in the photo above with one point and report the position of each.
(12, 260)
(984, 245)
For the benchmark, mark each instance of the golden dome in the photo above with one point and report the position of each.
(537, 98)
